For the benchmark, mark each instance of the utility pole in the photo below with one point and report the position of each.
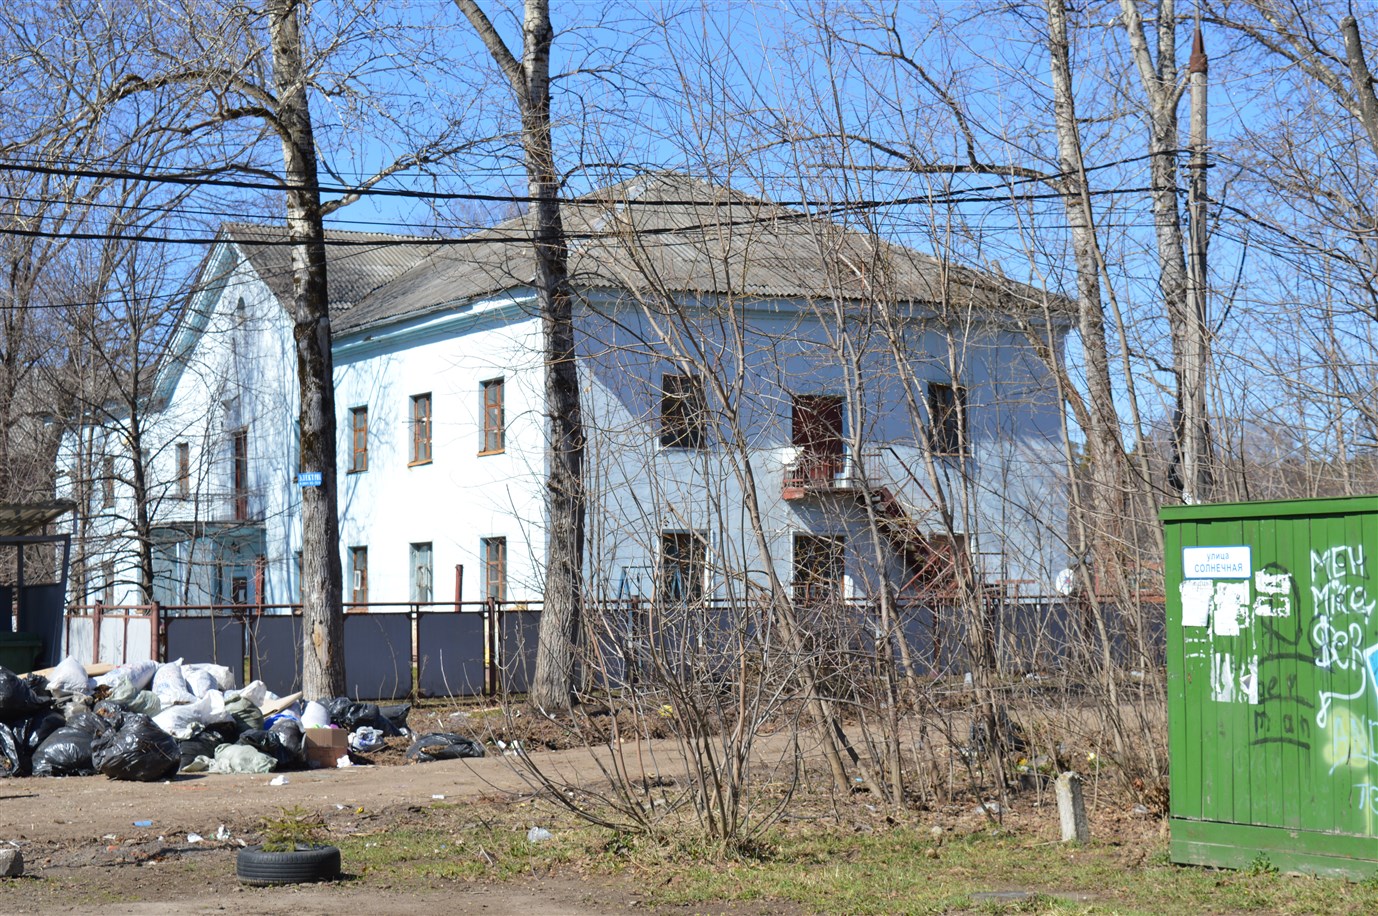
(1194, 446)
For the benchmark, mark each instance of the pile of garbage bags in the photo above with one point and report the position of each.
(148, 721)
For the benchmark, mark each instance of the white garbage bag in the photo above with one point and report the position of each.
(138, 674)
(171, 686)
(254, 692)
(315, 716)
(222, 677)
(181, 721)
(70, 677)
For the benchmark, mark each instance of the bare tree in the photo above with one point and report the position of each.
(553, 684)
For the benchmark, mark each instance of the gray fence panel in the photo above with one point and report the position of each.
(218, 640)
(275, 659)
(450, 657)
(612, 661)
(377, 656)
(41, 612)
(518, 634)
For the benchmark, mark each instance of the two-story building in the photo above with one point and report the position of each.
(763, 391)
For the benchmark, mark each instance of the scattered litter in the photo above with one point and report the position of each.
(278, 781)
(990, 806)
(538, 835)
(143, 823)
(223, 833)
(1141, 810)
(194, 838)
(438, 797)
(344, 761)
(365, 739)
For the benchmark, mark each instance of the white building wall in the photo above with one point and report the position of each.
(460, 496)
(241, 371)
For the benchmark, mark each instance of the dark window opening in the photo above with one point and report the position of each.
(683, 412)
(239, 474)
(816, 430)
(683, 564)
(819, 567)
(947, 419)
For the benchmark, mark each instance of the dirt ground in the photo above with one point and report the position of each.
(85, 852)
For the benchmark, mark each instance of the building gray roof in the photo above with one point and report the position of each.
(659, 235)
(357, 262)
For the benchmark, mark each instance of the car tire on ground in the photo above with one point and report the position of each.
(311, 863)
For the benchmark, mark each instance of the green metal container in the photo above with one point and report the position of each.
(19, 651)
(1272, 656)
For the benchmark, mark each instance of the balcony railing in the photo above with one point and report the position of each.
(813, 473)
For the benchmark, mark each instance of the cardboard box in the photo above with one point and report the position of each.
(325, 746)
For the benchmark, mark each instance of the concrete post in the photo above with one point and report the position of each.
(1072, 809)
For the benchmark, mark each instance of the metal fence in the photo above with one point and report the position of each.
(395, 650)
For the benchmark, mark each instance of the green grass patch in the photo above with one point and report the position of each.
(832, 869)
(468, 854)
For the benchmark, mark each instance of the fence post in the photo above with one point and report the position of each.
(492, 647)
(156, 635)
(459, 586)
(96, 612)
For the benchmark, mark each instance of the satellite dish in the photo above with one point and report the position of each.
(1065, 582)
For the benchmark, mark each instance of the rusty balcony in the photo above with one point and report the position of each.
(814, 474)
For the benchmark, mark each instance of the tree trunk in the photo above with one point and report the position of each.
(321, 577)
(1186, 325)
(1104, 447)
(552, 686)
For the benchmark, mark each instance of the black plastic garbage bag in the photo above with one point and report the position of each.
(13, 761)
(228, 732)
(91, 723)
(443, 746)
(17, 698)
(289, 733)
(351, 716)
(270, 743)
(201, 744)
(137, 750)
(39, 685)
(34, 730)
(66, 752)
(109, 712)
(396, 716)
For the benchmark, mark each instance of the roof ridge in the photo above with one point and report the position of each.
(233, 225)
